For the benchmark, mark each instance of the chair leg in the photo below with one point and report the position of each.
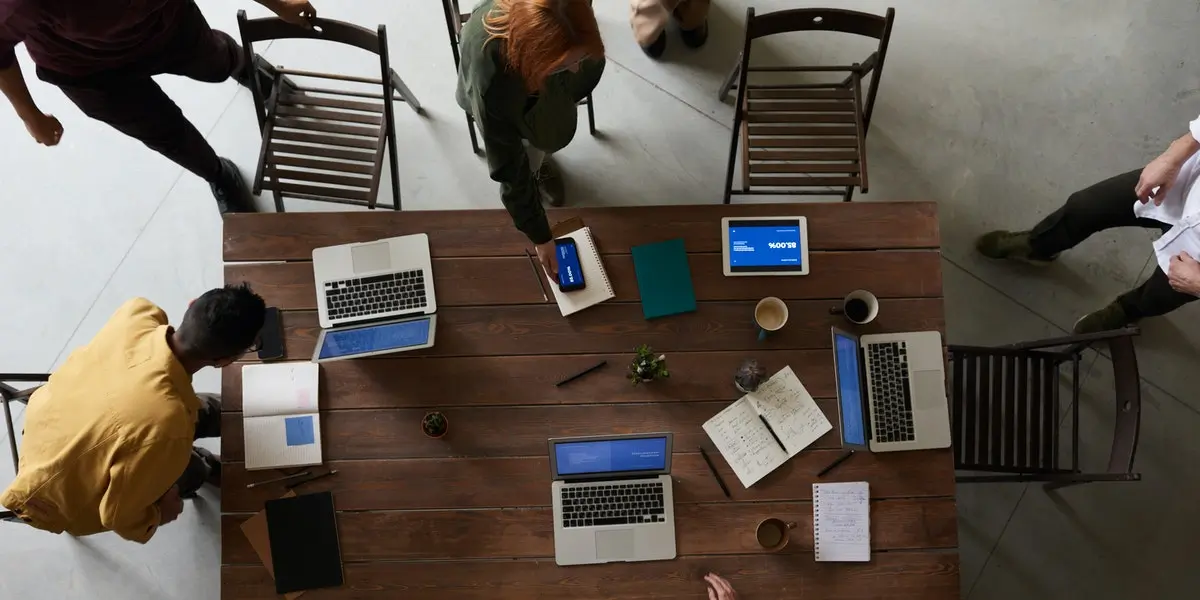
(849, 193)
(591, 115)
(474, 138)
(406, 93)
(730, 81)
(278, 201)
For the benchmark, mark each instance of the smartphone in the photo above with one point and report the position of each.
(271, 336)
(570, 272)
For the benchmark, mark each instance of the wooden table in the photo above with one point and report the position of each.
(468, 516)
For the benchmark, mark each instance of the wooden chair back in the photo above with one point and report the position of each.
(9, 394)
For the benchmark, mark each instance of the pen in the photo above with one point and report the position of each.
(837, 461)
(581, 373)
(313, 478)
(277, 479)
(533, 265)
(777, 440)
(713, 468)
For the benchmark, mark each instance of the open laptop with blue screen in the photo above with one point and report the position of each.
(612, 498)
(891, 391)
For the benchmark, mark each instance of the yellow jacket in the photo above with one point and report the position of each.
(109, 434)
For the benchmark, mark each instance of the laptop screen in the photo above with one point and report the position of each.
(849, 389)
(602, 457)
(375, 338)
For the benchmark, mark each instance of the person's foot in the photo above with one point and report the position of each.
(550, 183)
(212, 464)
(1106, 319)
(695, 38)
(230, 190)
(1011, 245)
(659, 46)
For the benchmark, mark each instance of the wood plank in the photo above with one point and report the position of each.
(798, 94)
(894, 575)
(313, 176)
(802, 130)
(780, 117)
(802, 181)
(311, 100)
(620, 327)
(771, 142)
(807, 155)
(316, 190)
(330, 115)
(278, 148)
(400, 382)
(465, 483)
(802, 106)
(804, 168)
(292, 236)
(703, 529)
(325, 165)
(326, 140)
(474, 281)
(323, 126)
(381, 434)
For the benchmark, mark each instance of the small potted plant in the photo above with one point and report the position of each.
(749, 376)
(647, 367)
(434, 424)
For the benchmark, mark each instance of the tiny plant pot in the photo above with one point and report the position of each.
(647, 366)
(749, 376)
(435, 424)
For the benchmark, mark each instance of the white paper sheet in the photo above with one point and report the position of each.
(279, 389)
(281, 426)
(842, 522)
(267, 444)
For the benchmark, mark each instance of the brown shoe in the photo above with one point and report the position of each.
(550, 183)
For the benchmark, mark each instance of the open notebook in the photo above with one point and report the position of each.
(280, 422)
(842, 521)
(745, 441)
(598, 287)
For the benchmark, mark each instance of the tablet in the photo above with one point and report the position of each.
(375, 338)
(765, 245)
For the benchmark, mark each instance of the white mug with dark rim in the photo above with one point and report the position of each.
(770, 314)
(859, 307)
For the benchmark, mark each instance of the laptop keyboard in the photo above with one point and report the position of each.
(380, 294)
(588, 505)
(890, 392)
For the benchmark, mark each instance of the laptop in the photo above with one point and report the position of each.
(612, 499)
(374, 297)
(891, 391)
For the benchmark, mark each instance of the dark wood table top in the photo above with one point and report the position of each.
(469, 516)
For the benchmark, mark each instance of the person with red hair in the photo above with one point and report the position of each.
(525, 66)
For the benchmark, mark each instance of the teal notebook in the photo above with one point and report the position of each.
(664, 279)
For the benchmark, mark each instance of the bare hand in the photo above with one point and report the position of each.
(296, 12)
(45, 129)
(170, 506)
(546, 254)
(1160, 173)
(1184, 274)
(718, 588)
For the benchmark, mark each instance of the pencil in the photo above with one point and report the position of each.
(313, 478)
(772, 431)
(277, 479)
(713, 468)
(538, 276)
(581, 373)
(837, 461)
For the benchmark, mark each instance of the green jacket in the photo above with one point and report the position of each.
(507, 115)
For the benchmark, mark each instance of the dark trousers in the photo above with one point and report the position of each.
(1106, 205)
(132, 103)
(208, 424)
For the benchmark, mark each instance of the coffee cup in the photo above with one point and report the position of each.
(770, 315)
(859, 307)
(773, 534)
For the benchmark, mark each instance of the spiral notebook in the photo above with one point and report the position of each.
(842, 522)
(598, 287)
(281, 426)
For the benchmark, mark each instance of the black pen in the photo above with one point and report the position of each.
(581, 373)
(713, 468)
(777, 440)
(837, 461)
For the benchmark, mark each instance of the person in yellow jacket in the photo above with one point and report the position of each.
(108, 440)
(649, 20)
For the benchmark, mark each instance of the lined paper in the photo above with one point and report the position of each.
(842, 522)
(280, 423)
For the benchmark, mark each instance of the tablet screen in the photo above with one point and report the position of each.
(757, 245)
(375, 338)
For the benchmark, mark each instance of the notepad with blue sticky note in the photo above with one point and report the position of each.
(280, 422)
(664, 279)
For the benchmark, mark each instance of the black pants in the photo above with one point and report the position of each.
(132, 103)
(1106, 205)
(208, 424)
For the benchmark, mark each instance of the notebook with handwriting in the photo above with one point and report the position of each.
(598, 287)
(743, 439)
(842, 522)
(280, 423)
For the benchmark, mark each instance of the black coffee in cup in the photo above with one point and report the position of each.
(857, 309)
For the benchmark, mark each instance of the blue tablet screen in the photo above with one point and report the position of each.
(773, 245)
(374, 338)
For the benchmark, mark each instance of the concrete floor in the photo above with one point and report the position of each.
(995, 110)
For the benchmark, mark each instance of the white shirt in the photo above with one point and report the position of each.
(1180, 209)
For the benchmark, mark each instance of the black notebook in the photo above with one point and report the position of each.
(304, 542)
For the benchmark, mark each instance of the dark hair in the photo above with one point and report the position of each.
(222, 323)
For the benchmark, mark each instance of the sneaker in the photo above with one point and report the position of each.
(659, 46)
(695, 38)
(1013, 245)
(550, 183)
(1106, 319)
(212, 465)
(230, 190)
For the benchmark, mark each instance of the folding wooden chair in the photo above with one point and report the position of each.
(797, 137)
(319, 143)
(9, 394)
(455, 19)
(1004, 404)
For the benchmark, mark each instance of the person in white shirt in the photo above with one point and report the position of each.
(1162, 196)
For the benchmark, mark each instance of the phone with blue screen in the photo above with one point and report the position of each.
(570, 272)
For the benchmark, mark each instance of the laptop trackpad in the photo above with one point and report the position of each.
(371, 257)
(614, 544)
(929, 390)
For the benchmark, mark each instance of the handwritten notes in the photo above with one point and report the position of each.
(746, 443)
(842, 522)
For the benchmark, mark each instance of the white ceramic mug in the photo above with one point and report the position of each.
(770, 314)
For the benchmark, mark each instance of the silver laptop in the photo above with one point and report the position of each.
(892, 390)
(612, 499)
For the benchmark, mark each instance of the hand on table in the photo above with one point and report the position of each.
(1184, 274)
(170, 506)
(45, 129)
(1161, 174)
(718, 588)
(296, 12)
(546, 254)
